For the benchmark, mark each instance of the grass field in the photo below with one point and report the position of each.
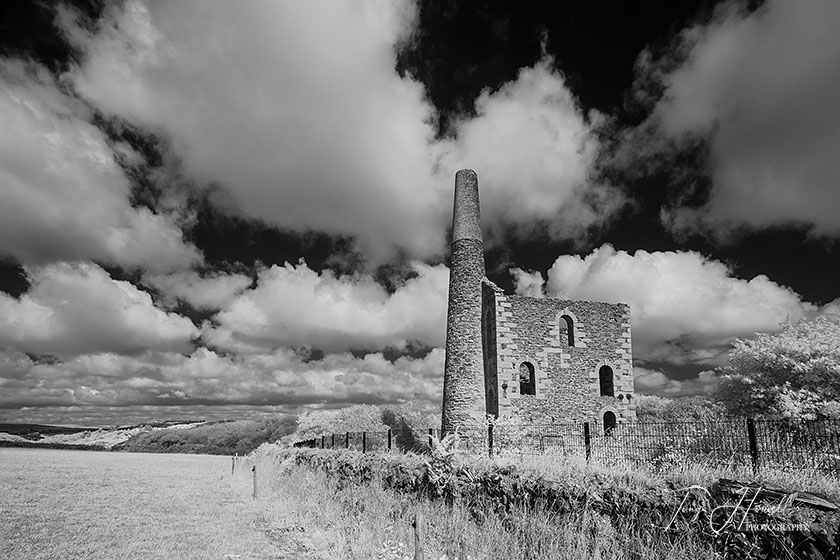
(65, 504)
(62, 504)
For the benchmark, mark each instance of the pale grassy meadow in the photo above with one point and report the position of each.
(62, 504)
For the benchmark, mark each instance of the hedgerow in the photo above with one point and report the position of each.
(634, 505)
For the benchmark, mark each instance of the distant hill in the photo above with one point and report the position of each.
(64, 437)
(37, 431)
(218, 438)
(177, 436)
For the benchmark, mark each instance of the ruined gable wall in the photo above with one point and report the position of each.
(567, 384)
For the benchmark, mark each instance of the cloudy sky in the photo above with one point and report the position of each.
(224, 209)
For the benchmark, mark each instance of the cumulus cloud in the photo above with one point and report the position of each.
(279, 379)
(294, 305)
(683, 305)
(63, 195)
(74, 309)
(653, 382)
(831, 309)
(535, 149)
(296, 110)
(763, 88)
(104, 415)
(528, 283)
(211, 291)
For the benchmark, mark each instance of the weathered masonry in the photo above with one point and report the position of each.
(540, 360)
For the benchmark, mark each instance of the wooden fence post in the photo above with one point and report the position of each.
(254, 471)
(232, 465)
(332, 442)
(431, 436)
(587, 441)
(490, 439)
(753, 444)
(389, 439)
(347, 440)
(418, 535)
(364, 442)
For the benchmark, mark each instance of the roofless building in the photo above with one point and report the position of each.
(544, 360)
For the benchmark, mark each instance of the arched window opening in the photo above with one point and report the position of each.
(567, 329)
(527, 383)
(605, 375)
(609, 421)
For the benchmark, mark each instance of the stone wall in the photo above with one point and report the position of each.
(489, 335)
(567, 377)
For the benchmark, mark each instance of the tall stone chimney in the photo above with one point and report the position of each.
(463, 378)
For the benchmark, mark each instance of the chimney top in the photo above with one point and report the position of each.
(466, 218)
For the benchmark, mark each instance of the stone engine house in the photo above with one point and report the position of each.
(542, 360)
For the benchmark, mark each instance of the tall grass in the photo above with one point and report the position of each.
(351, 520)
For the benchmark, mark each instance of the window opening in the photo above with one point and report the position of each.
(609, 421)
(569, 330)
(605, 375)
(527, 383)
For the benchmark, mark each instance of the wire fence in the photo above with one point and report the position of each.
(377, 441)
(735, 444)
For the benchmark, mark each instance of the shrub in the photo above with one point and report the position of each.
(214, 438)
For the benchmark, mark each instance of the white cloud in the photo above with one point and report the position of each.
(62, 195)
(831, 309)
(531, 284)
(653, 382)
(534, 149)
(77, 308)
(294, 305)
(764, 88)
(212, 291)
(680, 298)
(105, 415)
(204, 377)
(295, 108)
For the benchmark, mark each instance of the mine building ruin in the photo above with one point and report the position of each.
(542, 360)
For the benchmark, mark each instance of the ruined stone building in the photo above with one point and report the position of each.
(542, 360)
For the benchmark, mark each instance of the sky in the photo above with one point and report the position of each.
(232, 209)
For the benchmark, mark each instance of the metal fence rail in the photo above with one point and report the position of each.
(812, 445)
(373, 441)
(733, 444)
